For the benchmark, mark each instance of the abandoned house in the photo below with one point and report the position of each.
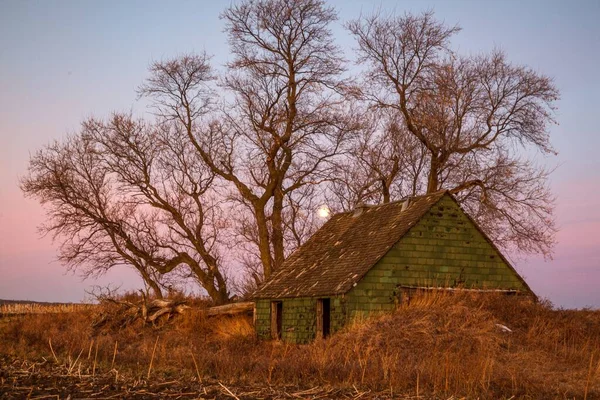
(373, 258)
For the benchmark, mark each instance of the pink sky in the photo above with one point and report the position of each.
(572, 278)
(64, 61)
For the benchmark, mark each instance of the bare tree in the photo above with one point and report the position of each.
(286, 79)
(65, 177)
(132, 193)
(284, 123)
(467, 112)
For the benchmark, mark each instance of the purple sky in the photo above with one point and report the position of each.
(61, 62)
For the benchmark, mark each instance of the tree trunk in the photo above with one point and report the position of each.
(433, 179)
(223, 294)
(385, 190)
(218, 295)
(221, 297)
(156, 289)
(264, 246)
(217, 292)
(277, 227)
(151, 282)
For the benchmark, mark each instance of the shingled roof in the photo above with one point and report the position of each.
(340, 253)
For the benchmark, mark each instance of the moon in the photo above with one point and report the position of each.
(323, 211)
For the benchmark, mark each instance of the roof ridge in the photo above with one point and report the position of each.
(402, 200)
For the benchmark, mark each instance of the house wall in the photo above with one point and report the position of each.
(443, 249)
(299, 318)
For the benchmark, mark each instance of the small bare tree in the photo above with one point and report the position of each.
(65, 178)
(132, 193)
(467, 112)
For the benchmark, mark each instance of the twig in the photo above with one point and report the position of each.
(95, 358)
(312, 391)
(90, 350)
(165, 383)
(152, 358)
(75, 363)
(52, 350)
(589, 377)
(196, 365)
(114, 355)
(358, 396)
(229, 391)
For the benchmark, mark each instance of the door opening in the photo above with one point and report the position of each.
(276, 319)
(323, 318)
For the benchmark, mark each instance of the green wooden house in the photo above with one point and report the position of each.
(373, 258)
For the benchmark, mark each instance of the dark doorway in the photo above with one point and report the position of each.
(276, 319)
(323, 318)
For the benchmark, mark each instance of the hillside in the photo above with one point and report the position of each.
(439, 346)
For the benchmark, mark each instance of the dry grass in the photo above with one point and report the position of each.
(439, 344)
(40, 308)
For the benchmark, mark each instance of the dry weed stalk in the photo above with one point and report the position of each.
(95, 360)
(52, 350)
(72, 365)
(90, 349)
(229, 391)
(196, 366)
(152, 358)
(589, 377)
(112, 365)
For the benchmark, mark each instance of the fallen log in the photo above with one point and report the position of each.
(231, 309)
(118, 314)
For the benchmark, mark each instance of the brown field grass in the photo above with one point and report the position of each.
(41, 308)
(439, 345)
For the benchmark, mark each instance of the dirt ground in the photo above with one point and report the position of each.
(44, 380)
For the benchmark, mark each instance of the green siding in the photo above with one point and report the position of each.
(262, 318)
(443, 249)
(299, 318)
